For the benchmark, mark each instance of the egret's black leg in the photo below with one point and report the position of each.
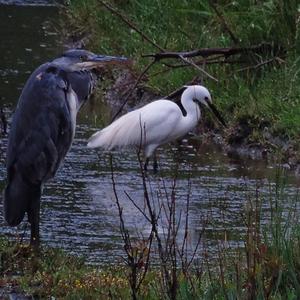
(155, 164)
(146, 164)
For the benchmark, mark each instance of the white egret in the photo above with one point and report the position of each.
(156, 123)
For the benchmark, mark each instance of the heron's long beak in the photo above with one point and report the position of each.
(216, 113)
(103, 60)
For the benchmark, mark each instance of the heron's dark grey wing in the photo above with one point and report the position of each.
(42, 130)
(83, 83)
(39, 139)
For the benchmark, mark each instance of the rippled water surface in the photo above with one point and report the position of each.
(79, 211)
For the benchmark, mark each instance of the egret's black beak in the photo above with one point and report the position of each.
(102, 60)
(216, 113)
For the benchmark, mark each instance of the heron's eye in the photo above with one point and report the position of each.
(206, 99)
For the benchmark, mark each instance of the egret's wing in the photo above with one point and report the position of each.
(145, 125)
(125, 131)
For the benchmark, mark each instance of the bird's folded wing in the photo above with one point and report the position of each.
(148, 124)
(41, 133)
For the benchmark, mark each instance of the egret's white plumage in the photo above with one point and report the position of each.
(154, 124)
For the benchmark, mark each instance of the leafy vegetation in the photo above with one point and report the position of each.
(258, 90)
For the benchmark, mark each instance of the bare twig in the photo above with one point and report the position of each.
(224, 23)
(152, 213)
(132, 89)
(198, 243)
(208, 62)
(257, 66)
(137, 256)
(206, 52)
(198, 68)
(137, 207)
(130, 24)
(183, 253)
(124, 232)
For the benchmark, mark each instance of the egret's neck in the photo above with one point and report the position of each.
(192, 108)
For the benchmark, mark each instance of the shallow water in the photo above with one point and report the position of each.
(79, 210)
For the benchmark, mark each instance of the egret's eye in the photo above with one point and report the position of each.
(206, 99)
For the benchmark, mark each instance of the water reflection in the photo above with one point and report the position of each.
(28, 38)
(78, 206)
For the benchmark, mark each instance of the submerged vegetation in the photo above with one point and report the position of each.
(257, 91)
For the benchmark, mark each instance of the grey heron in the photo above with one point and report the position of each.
(43, 129)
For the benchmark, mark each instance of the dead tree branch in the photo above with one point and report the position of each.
(224, 23)
(200, 62)
(257, 66)
(198, 68)
(206, 52)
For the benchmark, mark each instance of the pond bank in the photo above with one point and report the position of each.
(258, 94)
(267, 264)
(234, 140)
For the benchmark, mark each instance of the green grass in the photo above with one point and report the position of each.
(273, 270)
(52, 272)
(266, 267)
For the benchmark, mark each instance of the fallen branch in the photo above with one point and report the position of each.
(210, 62)
(257, 66)
(198, 68)
(206, 52)
(200, 62)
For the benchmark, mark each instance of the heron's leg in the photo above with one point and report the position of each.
(34, 218)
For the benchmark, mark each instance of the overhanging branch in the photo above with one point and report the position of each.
(206, 52)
